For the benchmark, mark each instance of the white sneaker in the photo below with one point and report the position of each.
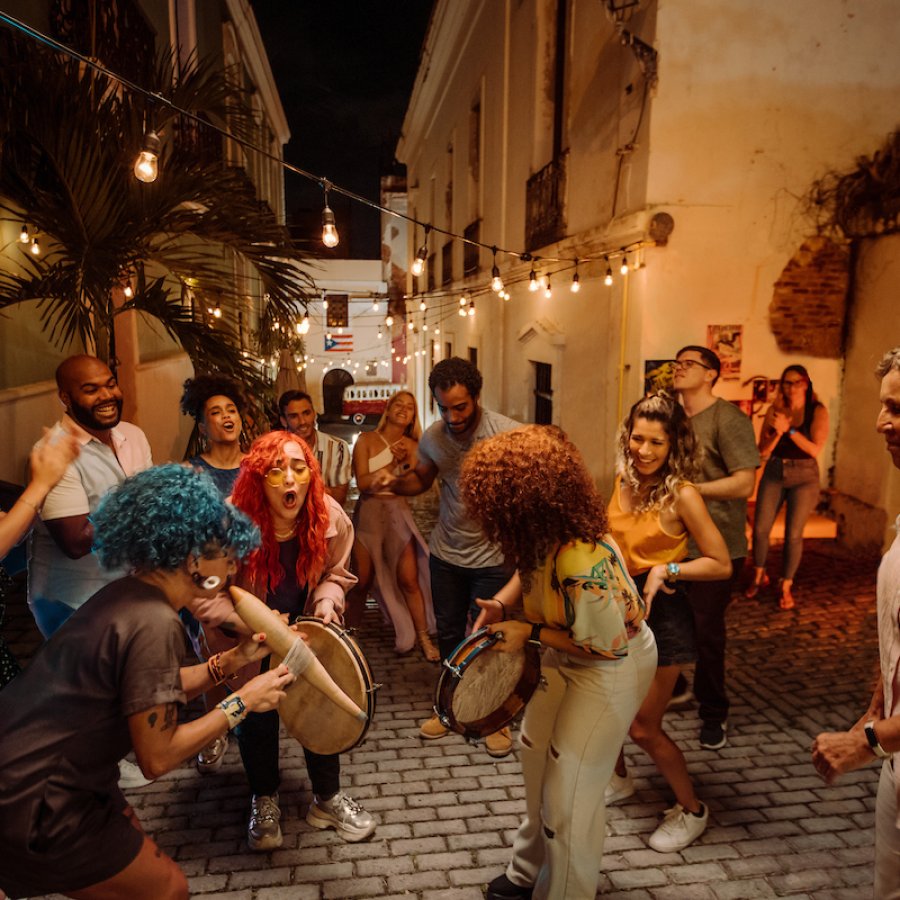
(264, 827)
(620, 787)
(343, 814)
(679, 829)
(131, 776)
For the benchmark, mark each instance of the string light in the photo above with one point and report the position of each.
(471, 308)
(623, 269)
(462, 310)
(375, 305)
(23, 235)
(146, 166)
(388, 320)
(496, 280)
(463, 300)
(608, 280)
(35, 247)
(437, 330)
(548, 291)
(409, 325)
(418, 264)
(303, 324)
(380, 333)
(423, 306)
(330, 236)
(576, 282)
(128, 291)
(533, 284)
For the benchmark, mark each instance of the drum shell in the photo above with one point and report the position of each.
(307, 714)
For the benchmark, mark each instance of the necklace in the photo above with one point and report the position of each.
(284, 535)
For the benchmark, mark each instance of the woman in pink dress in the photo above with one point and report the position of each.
(390, 556)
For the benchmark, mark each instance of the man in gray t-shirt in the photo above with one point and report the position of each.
(727, 479)
(464, 565)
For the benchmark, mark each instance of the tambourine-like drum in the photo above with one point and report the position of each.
(481, 690)
(312, 720)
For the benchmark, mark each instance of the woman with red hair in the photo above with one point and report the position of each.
(300, 568)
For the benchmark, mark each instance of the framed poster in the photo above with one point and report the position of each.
(658, 376)
(726, 342)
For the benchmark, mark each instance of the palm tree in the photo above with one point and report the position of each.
(68, 139)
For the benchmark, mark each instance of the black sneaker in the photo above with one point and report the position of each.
(712, 735)
(501, 888)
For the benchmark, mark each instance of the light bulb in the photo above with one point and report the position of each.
(35, 247)
(380, 334)
(422, 306)
(424, 326)
(463, 300)
(217, 312)
(462, 312)
(418, 264)
(23, 235)
(548, 291)
(496, 280)
(609, 279)
(128, 291)
(437, 331)
(576, 284)
(533, 281)
(623, 269)
(325, 303)
(409, 325)
(330, 236)
(374, 306)
(388, 320)
(303, 325)
(146, 166)
(328, 336)
(472, 308)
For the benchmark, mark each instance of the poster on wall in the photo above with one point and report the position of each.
(725, 341)
(658, 376)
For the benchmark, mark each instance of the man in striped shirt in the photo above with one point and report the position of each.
(299, 417)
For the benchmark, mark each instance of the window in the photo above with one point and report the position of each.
(447, 263)
(473, 356)
(543, 393)
(472, 252)
(338, 316)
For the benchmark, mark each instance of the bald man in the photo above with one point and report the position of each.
(62, 571)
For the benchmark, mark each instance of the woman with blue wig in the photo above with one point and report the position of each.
(111, 680)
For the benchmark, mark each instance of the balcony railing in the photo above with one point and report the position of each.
(545, 205)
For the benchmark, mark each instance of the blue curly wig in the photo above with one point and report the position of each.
(159, 517)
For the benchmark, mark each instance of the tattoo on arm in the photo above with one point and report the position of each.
(169, 721)
(151, 719)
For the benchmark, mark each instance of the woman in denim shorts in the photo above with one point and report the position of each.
(653, 513)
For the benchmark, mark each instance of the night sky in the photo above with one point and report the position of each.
(344, 72)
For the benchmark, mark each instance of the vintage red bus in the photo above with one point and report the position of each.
(366, 401)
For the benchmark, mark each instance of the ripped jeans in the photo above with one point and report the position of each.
(570, 739)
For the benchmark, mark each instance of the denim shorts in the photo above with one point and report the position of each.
(672, 623)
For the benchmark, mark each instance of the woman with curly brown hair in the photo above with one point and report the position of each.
(531, 493)
(653, 513)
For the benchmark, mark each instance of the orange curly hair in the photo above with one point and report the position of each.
(530, 491)
(263, 567)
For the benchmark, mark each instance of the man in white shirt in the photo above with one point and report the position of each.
(299, 417)
(62, 571)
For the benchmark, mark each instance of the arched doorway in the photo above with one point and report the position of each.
(333, 384)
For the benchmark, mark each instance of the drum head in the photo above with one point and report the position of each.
(308, 715)
(481, 690)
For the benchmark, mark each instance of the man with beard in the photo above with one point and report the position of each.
(63, 572)
(464, 564)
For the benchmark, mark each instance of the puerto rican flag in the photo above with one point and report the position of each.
(339, 343)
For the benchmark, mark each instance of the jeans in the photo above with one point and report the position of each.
(709, 602)
(571, 735)
(799, 489)
(453, 593)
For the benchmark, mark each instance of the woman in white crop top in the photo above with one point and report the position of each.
(390, 556)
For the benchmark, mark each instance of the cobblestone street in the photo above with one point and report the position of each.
(447, 811)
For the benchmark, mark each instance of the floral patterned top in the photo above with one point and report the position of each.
(585, 589)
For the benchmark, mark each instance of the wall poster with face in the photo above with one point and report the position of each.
(726, 341)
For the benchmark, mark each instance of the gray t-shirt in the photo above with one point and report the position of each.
(728, 442)
(456, 538)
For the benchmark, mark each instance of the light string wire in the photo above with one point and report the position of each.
(325, 183)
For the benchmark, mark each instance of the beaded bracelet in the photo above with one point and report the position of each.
(216, 672)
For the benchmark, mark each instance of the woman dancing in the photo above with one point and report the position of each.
(300, 569)
(112, 680)
(389, 547)
(653, 513)
(531, 492)
(793, 434)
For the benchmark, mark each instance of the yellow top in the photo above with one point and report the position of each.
(644, 541)
(585, 589)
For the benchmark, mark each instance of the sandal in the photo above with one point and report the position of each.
(429, 651)
(755, 587)
(786, 599)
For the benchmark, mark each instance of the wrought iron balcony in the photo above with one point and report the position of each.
(545, 205)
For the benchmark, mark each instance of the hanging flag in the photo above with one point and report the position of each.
(339, 343)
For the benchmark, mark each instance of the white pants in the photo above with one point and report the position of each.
(571, 736)
(887, 837)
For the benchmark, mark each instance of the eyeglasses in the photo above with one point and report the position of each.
(689, 364)
(276, 475)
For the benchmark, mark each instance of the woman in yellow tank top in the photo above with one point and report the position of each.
(653, 513)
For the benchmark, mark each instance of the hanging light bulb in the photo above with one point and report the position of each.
(128, 291)
(330, 236)
(608, 280)
(623, 269)
(409, 325)
(389, 320)
(375, 306)
(23, 235)
(463, 300)
(533, 281)
(472, 308)
(217, 312)
(35, 247)
(548, 291)
(146, 166)
(303, 325)
(437, 331)
(325, 303)
(496, 280)
(462, 312)
(327, 335)
(576, 284)
(418, 264)
(422, 306)
(380, 333)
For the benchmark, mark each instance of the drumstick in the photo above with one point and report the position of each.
(282, 640)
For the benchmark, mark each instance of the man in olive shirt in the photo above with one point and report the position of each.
(727, 479)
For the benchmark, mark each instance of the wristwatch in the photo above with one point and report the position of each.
(673, 570)
(874, 744)
(535, 637)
